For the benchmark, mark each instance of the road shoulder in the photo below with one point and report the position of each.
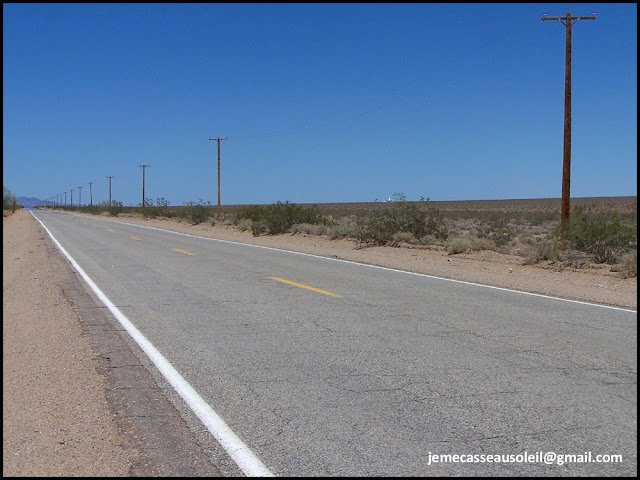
(76, 399)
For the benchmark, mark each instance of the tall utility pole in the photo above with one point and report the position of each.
(65, 199)
(80, 197)
(72, 197)
(91, 194)
(109, 189)
(218, 139)
(568, 22)
(143, 167)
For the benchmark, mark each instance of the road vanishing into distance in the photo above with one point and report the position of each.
(307, 366)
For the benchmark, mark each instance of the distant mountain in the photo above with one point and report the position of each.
(30, 202)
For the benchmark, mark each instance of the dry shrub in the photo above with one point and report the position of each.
(458, 245)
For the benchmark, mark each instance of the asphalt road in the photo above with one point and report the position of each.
(324, 367)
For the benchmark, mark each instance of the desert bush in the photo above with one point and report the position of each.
(478, 243)
(458, 245)
(416, 218)
(279, 218)
(309, 228)
(8, 200)
(404, 237)
(342, 230)
(544, 250)
(598, 232)
(244, 224)
(115, 208)
(198, 212)
(627, 264)
(498, 229)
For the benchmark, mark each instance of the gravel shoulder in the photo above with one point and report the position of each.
(78, 399)
(56, 421)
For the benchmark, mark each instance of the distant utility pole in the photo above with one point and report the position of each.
(218, 139)
(91, 194)
(80, 198)
(143, 167)
(568, 22)
(72, 197)
(65, 199)
(109, 189)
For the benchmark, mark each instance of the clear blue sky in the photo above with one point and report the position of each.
(320, 102)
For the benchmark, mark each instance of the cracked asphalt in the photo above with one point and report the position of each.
(398, 369)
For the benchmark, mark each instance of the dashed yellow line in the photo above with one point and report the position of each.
(111, 230)
(182, 251)
(304, 286)
(136, 238)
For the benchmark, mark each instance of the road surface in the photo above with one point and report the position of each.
(317, 366)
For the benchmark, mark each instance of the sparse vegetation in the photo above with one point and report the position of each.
(417, 219)
(600, 232)
(603, 233)
(9, 200)
(458, 245)
(279, 218)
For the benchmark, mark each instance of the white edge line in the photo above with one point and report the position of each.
(381, 268)
(239, 452)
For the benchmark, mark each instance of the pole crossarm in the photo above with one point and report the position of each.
(567, 18)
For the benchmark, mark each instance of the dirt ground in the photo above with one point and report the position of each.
(56, 418)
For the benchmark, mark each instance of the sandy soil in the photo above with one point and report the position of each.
(592, 283)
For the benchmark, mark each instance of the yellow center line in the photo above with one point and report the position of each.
(136, 238)
(304, 286)
(111, 230)
(182, 251)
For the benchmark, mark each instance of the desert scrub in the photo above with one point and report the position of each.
(198, 212)
(279, 218)
(458, 245)
(479, 244)
(603, 233)
(418, 219)
(627, 264)
(543, 250)
(9, 200)
(498, 229)
(115, 208)
(309, 228)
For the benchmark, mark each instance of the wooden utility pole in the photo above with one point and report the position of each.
(109, 189)
(71, 197)
(568, 22)
(143, 167)
(218, 139)
(91, 194)
(65, 199)
(80, 197)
